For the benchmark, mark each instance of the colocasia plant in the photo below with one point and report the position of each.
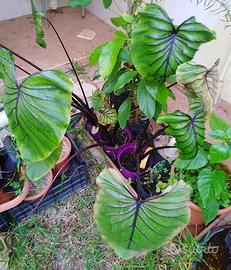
(139, 67)
(141, 62)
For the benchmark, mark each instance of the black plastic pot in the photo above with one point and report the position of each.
(74, 180)
(217, 250)
(8, 160)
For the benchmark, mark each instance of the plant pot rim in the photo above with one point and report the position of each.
(44, 191)
(65, 139)
(17, 200)
(196, 208)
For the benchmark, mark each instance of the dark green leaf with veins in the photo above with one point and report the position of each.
(38, 109)
(159, 47)
(132, 226)
(188, 129)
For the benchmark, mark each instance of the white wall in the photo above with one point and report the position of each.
(14, 8)
(179, 10)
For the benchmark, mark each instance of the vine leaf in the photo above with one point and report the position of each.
(133, 227)
(38, 109)
(159, 47)
(37, 17)
(188, 129)
(199, 82)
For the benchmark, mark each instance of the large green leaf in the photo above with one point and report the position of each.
(188, 129)
(80, 3)
(132, 226)
(124, 112)
(109, 54)
(38, 109)
(199, 82)
(35, 171)
(159, 47)
(211, 184)
(37, 17)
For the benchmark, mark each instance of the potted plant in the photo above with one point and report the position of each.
(141, 61)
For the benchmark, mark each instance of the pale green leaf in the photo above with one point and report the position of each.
(134, 226)
(199, 82)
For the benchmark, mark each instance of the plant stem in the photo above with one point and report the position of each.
(69, 58)
(19, 56)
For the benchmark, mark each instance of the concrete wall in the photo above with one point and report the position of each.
(179, 10)
(14, 8)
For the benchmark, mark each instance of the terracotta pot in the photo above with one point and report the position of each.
(40, 194)
(63, 160)
(17, 200)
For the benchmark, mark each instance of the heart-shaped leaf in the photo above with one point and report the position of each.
(188, 129)
(132, 226)
(199, 82)
(159, 47)
(38, 109)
